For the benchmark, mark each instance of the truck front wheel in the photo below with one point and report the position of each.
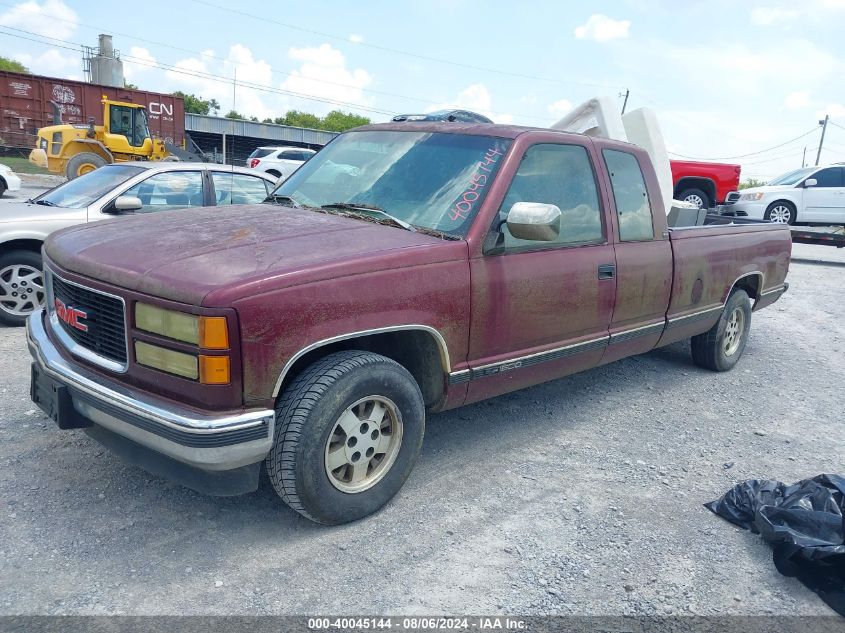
(349, 430)
(83, 163)
(721, 346)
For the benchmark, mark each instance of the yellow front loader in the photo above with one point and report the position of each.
(74, 150)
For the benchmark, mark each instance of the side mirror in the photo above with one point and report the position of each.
(534, 221)
(811, 182)
(127, 203)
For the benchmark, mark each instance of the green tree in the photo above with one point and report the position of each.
(10, 65)
(302, 119)
(198, 105)
(129, 86)
(234, 114)
(751, 182)
(337, 121)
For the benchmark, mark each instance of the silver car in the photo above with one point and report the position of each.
(111, 190)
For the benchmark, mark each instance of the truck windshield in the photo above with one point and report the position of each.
(82, 191)
(792, 177)
(432, 180)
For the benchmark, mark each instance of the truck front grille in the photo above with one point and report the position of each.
(101, 330)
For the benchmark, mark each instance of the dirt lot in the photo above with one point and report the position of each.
(580, 496)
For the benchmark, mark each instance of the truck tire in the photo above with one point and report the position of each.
(2, 187)
(21, 286)
(721, 346)
(83, 163)
(348, 432)
(781, 212)
(697, 197)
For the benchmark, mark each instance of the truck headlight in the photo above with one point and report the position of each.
(178, 363)
(752, 196)
(206, 332)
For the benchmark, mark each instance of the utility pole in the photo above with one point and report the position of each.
(821, 140)
(234, 87)
(625, 103)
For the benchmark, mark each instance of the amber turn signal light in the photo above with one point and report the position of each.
(213, 333)
(214, 370)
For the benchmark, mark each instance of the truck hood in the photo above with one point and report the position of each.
(213, 256)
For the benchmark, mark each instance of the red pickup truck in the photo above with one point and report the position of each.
(407, 268)
(704, 184)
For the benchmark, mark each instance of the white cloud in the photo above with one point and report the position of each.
(53, 63)
(202, 76)
(323, 74)
(475, 98)
(356, 39)
(601, 28)
(767, 16)
(138, 60)
(797, 100)
(51, 18)
(833, 110)
(559, 108)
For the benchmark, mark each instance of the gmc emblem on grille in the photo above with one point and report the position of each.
(71, 315)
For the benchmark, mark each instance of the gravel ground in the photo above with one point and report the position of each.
(582, 496)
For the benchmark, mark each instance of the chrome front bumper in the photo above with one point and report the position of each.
(205, 441)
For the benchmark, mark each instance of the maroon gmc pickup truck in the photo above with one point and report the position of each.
(407, 268)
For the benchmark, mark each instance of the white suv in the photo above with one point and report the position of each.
(279, 162)
(811, 194)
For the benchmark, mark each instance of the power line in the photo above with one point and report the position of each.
(386, 49)
(201, 54)
(762, 151)
(72, 46)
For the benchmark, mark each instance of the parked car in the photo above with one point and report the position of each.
(813, 195)
(704, 184)
(279, 162)
(111, 190)
(9, 180)
(447, 265)
(454, 116)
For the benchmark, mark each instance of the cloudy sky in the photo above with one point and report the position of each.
(728, 79)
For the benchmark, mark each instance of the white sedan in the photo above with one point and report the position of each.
(9, 180)
(278, 162)
(812, 194)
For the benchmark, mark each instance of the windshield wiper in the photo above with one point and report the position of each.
(278, 198)
(46, 203)
(367, 209)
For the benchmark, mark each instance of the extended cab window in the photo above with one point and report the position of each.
(561, 175)
(238, 188)
(631, 196)
(172, 190)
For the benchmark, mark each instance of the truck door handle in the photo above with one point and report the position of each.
(607, 271)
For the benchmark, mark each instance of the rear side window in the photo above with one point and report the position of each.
(830, 177)
(238, 188)
(261, 153)
(629, 191)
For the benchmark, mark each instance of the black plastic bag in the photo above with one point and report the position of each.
(802, 522)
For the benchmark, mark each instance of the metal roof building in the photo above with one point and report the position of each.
(237, 138)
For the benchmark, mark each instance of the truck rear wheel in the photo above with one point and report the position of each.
(83, 163)
(720, 348)
(349, 430)
(696, 197)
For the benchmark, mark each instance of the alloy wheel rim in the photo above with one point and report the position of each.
(21, 289)
(363, 444)
(780, 214)
(733, 331)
